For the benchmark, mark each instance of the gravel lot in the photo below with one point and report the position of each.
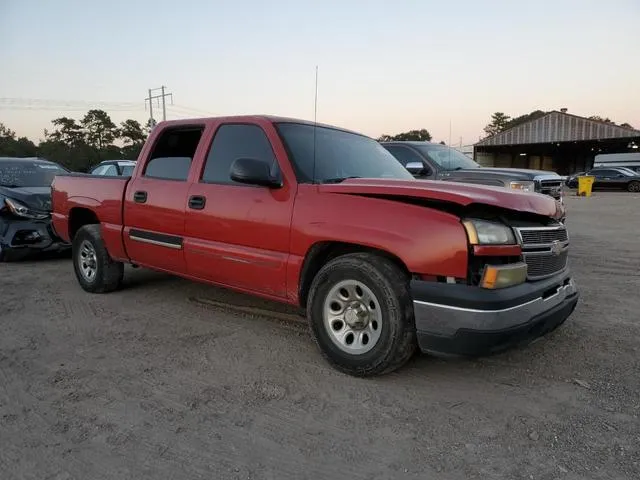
(161, 381)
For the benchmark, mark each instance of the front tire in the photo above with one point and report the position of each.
(95, 270)
(361, 314)
(633, 187)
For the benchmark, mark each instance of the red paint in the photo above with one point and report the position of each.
(256, 239)
(497, 250)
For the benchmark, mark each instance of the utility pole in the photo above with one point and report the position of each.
(162, 95)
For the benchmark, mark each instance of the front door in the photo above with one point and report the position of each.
(237, 234)
(156, 200)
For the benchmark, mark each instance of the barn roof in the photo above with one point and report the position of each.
(558, 127)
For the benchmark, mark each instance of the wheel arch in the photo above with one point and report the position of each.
(79, 217)
(322, 252)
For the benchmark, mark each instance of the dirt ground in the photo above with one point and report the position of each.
(163, 381)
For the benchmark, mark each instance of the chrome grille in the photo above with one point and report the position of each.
(552, 188)
(544, 249)
(546, 236)
(540, 266)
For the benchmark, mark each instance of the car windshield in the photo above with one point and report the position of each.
(338, 155)
(25, 173)
(627, 171)
(446, 157)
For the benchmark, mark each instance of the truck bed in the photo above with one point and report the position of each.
(74, 192)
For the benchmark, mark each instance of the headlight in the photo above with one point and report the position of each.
(484, 232)
(523, 186)
(23, 211)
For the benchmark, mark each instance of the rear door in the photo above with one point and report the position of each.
(604, 179)
(238, 234)
(156, 199)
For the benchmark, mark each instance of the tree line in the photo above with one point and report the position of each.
(79, 144)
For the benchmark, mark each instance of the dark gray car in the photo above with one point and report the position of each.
(434, 161)
(25, 207)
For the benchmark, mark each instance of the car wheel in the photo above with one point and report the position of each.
(95, 270)
(361, 314)
(633, 187)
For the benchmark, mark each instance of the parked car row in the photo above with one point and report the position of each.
(329, 220)
(609, 178)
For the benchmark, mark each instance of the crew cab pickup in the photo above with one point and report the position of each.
(326, 219)
(433, 161)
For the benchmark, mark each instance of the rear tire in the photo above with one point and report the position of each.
(95, 270)
(361, 315)
(633, 187)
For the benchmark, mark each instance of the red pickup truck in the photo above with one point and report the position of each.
(326, 219)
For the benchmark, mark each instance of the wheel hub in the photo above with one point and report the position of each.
(356, 316)
(352, 317)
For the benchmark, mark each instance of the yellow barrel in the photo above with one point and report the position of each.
(585, 185)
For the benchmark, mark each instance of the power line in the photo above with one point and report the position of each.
(162, 97)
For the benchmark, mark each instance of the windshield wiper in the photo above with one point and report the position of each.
(338, 179)
(10, 185)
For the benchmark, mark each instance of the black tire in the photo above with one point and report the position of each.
(633, 187)
(108, 273)
(397, 341)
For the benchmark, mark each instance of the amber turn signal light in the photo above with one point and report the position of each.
(502, 276)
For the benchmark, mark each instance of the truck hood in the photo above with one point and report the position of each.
(36, 198)
(462, 194)
(515, 173)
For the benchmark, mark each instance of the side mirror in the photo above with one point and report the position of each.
(254, 172)
(416, 168)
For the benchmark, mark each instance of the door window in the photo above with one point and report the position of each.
(234, 141)
(173, 153)
(403, 154)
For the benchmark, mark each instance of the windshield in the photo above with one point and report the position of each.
(338, 155)
(25, 173)
(446, 157)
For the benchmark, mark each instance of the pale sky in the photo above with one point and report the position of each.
(384, 66)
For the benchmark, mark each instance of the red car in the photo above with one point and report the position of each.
(324, 218)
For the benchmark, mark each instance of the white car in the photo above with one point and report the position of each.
(114, 168)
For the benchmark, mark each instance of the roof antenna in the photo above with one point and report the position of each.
(315, 122)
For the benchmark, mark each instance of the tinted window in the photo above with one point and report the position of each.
(25, 173)
(111, 170)
(604, 173)
(322, 154)
(173, 153)
(232, 142)
(127, 170)
(404, 154)
(446, 157)
(99, 170)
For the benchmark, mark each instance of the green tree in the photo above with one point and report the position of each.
(498, 123)
(133, 137)
(99, 129)
(514, 122)
(13, 146)
(422, 135)
(67, 131)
